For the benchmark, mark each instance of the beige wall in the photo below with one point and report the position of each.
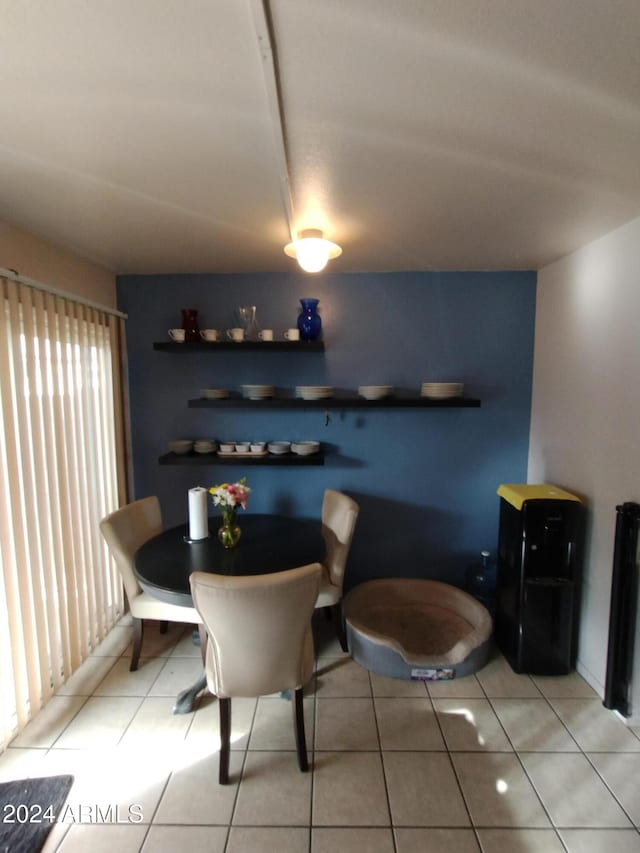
(585, 421)
(37, 259)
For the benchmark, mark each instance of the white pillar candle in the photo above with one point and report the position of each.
(198, 520)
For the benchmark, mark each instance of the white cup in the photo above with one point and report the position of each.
(266, 335)
(177, 335)
(235, 334)
(209, 335)
(292, 335)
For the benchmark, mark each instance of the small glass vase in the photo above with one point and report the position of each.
(229, 533)
(309, 321)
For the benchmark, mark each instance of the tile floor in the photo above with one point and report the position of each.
(498, 762)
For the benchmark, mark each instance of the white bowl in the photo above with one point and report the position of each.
(374, 392)
(242, 447)
(441, 390)
(181, 446)
(257, 392)
(227, 447)
(214, 393)
(258, 446)
(279, 447)
(305, 448)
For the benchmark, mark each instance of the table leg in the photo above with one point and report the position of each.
(185, 701)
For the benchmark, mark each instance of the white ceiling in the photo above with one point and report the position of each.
(420, 134)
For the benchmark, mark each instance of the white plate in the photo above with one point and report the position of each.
(305, 448)
(214, 393)
(278, 448)
(374, 392)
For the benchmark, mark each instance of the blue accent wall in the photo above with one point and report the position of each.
(426, 480)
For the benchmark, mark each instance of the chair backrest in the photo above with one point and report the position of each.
(339, 516)
(259, 629)
(125, 530)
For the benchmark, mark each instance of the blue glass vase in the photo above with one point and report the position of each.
(309, 321)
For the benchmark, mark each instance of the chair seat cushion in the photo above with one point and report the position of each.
(145, 606)
(329, 593)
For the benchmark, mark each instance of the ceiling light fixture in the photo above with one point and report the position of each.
(311, 250)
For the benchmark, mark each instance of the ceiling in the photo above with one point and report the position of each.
(195, 135)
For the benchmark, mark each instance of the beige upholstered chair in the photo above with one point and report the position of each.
(125, 530)
(259, 641)
(339, 516)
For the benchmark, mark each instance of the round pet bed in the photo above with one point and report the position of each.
(416, 629)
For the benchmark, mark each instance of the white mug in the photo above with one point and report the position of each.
(292, 335)
(266, 335)
(235, 334)
(209, 334)
(177, 335)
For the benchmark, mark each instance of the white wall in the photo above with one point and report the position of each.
(585, 419)
(35, 258)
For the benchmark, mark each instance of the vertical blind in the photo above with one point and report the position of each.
(61, 470)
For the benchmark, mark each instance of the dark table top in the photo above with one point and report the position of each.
(269, 543)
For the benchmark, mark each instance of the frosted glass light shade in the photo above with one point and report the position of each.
(311, 250)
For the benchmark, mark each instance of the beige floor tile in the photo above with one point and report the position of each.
(571, 686)
(621, 772)
(21, 763)
(520, 841)
(471, 724)
(155, 726)
(273, 727)
(120, 682)
(176, 675)
(341, 677)
(193, 794)
(408, 723)
(434, 840)
(204, 732)
(497, 791)
(100, 723)
(103, 838)
(349, 790)
(114, 779)
(456, 688)
(268, 839)
(273, 791)
(396, 687)
(572, 792)
(87, 677)
(346, 724)
(50, 722)
(599, 840)
(155, 644)
(195, 839)
(185, 647)
(116, 643)
(351, 840)
(595, 728)
(423, 790)
(532, 726)
(499, 680)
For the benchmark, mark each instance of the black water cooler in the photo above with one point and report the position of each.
(537, 578)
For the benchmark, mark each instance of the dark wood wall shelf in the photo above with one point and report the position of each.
(240, 346)
(214, 459)
(337, 402)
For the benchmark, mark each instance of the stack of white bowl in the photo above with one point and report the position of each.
(204, 445)
(257, 392)
(441, 390)
(374, 392)
(305, 448)
(314, 392)
(214, 393)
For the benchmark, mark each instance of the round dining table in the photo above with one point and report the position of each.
(268, 543)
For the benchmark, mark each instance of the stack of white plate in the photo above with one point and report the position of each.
(214, 393)
(441, 390)
(204, 445)
(305, 448)
(374, 392)
(257, 392)
(314, 392)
